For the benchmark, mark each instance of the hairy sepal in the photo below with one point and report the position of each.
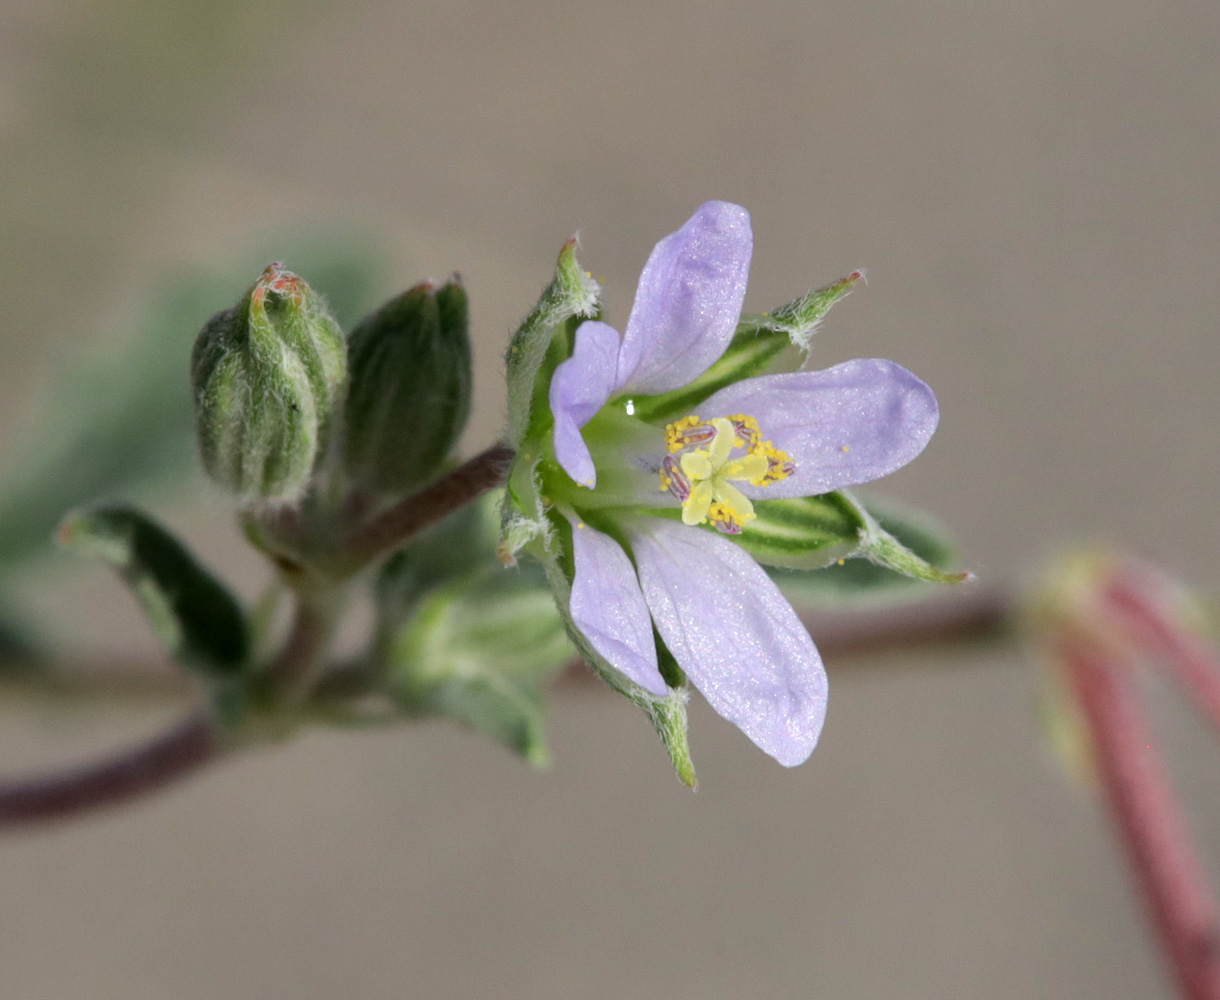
(573, 294)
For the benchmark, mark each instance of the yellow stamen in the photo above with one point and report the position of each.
(712, 470)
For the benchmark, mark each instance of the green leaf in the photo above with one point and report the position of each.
(200, 622)
(803, 532)
(479, 651)
(459, 547)
(572, 294)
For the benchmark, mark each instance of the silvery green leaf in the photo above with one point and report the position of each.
(460, 546)
(479, 651)
(195, 616)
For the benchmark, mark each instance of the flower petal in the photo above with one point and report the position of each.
(849, 424)
(688, 301)
(608, 608)
(734, 635)
(579, 388)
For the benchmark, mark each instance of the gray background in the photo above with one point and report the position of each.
(1033, 189)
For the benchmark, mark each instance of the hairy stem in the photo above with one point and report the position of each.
(128, 775)
(1150, 822)
(393, 527)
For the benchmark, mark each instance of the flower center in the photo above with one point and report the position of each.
(702, 477)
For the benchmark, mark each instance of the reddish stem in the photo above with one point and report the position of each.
(393, 527)
(1150, 821)
(125, 776)
(1194, 665)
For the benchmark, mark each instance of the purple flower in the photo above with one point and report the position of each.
(777, 436)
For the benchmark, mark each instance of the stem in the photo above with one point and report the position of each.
(1150, 821)
(193, 742)
(165, 759)
(399, 523)
(1194, 665)
(297, 667)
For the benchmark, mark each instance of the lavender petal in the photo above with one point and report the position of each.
(849, 424)
(734, 635)
(688, 301)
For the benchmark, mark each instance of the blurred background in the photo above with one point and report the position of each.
(1035, 191)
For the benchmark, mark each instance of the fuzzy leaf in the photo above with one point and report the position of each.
(200, 622)
(479, 651)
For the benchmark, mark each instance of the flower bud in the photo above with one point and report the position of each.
(410, 387)
(268, 375)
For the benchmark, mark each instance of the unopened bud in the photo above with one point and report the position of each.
(410, 387)
(268, 375)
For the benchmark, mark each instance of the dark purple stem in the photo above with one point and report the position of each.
(391, 528)
(128, 775)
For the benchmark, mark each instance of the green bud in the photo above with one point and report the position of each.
(268, 375)
(410, 387)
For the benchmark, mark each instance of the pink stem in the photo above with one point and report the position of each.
(1150, 821)
(1195, 666)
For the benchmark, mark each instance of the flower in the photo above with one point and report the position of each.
(797, 434)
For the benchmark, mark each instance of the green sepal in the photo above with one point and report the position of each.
(799, 319)
(268, 376)
(882, 548)
(572, 294)
(409, 392)
(667, 714)
(200, 622)
(856, 579)
(754, 350)
(763, 344)
(479, 651)
(799, 533)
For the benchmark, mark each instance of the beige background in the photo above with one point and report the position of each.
(1034, 190)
